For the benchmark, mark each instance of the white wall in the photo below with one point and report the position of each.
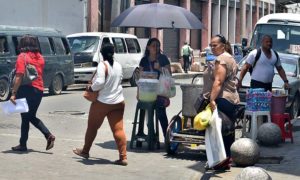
(64, 15)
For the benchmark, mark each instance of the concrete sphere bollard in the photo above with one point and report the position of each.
(245, 152)
(256, 173)
(269, 134)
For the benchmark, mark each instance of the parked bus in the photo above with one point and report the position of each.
(59, 65)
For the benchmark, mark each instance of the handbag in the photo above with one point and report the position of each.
(201, 103)
(93, 95)
(30, 74)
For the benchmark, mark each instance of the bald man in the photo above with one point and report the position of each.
(263, 68)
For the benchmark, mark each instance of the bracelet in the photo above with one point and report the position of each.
(286, 81)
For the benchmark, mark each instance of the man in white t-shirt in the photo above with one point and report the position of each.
(262, 62)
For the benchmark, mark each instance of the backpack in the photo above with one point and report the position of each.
(257, 57)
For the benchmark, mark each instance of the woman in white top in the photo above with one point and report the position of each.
(110, 104)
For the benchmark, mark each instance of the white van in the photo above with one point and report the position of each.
(86, 50)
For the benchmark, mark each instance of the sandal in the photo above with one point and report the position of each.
(19, 148)
(50, 142)
(121, 162)
(224, 165)
(79, 152)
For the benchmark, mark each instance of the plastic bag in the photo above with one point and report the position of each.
(166, 85)
(215, 150)
(202, 119)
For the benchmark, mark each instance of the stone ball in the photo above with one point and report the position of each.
(245, 152)
(256, 173)
(269, 134)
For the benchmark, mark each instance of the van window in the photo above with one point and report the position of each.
(105, 41)
(59, 46)
(45, 46)
(66, 45)
(84, 44)
(52, 45)
(3, 45)
(16, 40)
(132, 45)
(119, 45)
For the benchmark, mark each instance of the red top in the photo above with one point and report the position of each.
(35, 59)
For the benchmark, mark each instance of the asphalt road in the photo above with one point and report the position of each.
(66, 117)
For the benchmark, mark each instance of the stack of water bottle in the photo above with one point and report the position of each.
(258, 100)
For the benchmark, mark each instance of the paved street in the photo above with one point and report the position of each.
(66, 117)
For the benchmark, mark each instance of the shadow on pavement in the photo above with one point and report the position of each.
(143, 149)
(192, 156)
(93, 161)
(25, 152)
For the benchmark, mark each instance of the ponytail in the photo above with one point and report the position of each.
(228, 47)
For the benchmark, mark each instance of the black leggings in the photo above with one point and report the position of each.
(34, 98)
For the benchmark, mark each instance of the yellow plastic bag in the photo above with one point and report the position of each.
(201, 120)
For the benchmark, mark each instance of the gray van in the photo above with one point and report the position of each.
(59, 65)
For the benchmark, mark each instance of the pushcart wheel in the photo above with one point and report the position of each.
(173, 127)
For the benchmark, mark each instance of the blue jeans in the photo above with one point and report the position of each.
(34, 98)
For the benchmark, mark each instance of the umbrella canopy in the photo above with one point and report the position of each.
(157, 15)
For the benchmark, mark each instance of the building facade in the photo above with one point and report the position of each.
(235, 19)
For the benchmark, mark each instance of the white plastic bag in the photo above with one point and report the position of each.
(215, 150)
(8, 107)
(166, 86)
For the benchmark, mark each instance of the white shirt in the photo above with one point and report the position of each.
(110, 89)
(264, 68)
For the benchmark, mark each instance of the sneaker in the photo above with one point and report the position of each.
(19, 148)
(79, 152)
(50, 142)
(121, 162)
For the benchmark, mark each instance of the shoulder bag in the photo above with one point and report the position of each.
(93, 95)
(30, 73)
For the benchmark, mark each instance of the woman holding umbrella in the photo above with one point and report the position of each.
(154, 60)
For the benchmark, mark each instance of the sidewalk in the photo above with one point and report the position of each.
(287, 168)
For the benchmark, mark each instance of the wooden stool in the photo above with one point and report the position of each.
(280, 120)
(152, 137)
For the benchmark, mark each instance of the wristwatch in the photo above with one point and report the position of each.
(286, 81)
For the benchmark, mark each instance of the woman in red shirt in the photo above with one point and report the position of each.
(33, 92)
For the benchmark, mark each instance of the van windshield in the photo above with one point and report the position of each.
(286, 38)
(84, 44)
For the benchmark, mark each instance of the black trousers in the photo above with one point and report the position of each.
(34, 98)
(258, 84)
(186, 62)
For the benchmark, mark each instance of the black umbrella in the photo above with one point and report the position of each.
(157, 15)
